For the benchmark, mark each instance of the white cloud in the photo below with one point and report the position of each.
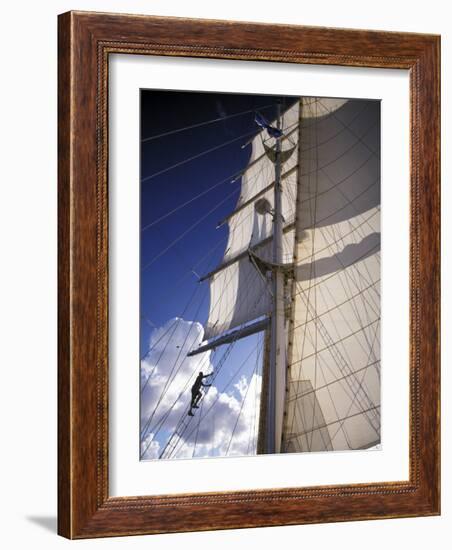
(150, 447)
(226, 422)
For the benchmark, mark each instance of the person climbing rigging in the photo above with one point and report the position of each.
(196, 392)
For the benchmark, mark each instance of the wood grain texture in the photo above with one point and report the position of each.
(64, 295)
(85, 42)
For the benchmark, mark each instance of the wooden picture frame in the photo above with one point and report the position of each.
(85, 508)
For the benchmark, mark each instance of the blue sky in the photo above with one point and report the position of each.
(167, 281)
(166, 111)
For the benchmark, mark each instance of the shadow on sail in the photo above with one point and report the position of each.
(349, 255)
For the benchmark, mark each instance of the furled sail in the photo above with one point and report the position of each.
(333, 379)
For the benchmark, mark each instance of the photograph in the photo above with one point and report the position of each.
(259, 274)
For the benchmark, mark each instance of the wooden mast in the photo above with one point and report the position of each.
(276, 378)
(263, 408)
(291, 312)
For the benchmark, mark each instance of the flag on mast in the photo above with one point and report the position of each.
(265, 125)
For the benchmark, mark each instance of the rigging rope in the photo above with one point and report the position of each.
(198, 155)
(185, 417)
(232, 178)
(198, 125)
(170, 376)
(158, 426)
(197, 428)
(215, 373)
(243, 403)
(198, 221)
(233, 377)
(174, 210)
(179, 281)
(174, 326)
(348, 127)
(145, 430)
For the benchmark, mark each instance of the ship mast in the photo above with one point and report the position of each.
(277, 371)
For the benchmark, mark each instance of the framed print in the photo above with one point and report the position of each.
(248, 275)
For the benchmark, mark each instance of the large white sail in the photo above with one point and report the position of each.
(238, 293)
(333, 383)
(331, 240)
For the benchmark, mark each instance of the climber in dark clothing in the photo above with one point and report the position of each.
(196, 392)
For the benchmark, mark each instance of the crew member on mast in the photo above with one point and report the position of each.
(196, 392)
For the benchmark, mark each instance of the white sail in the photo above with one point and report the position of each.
(238, 291)
(333, 384)
(331, 210)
